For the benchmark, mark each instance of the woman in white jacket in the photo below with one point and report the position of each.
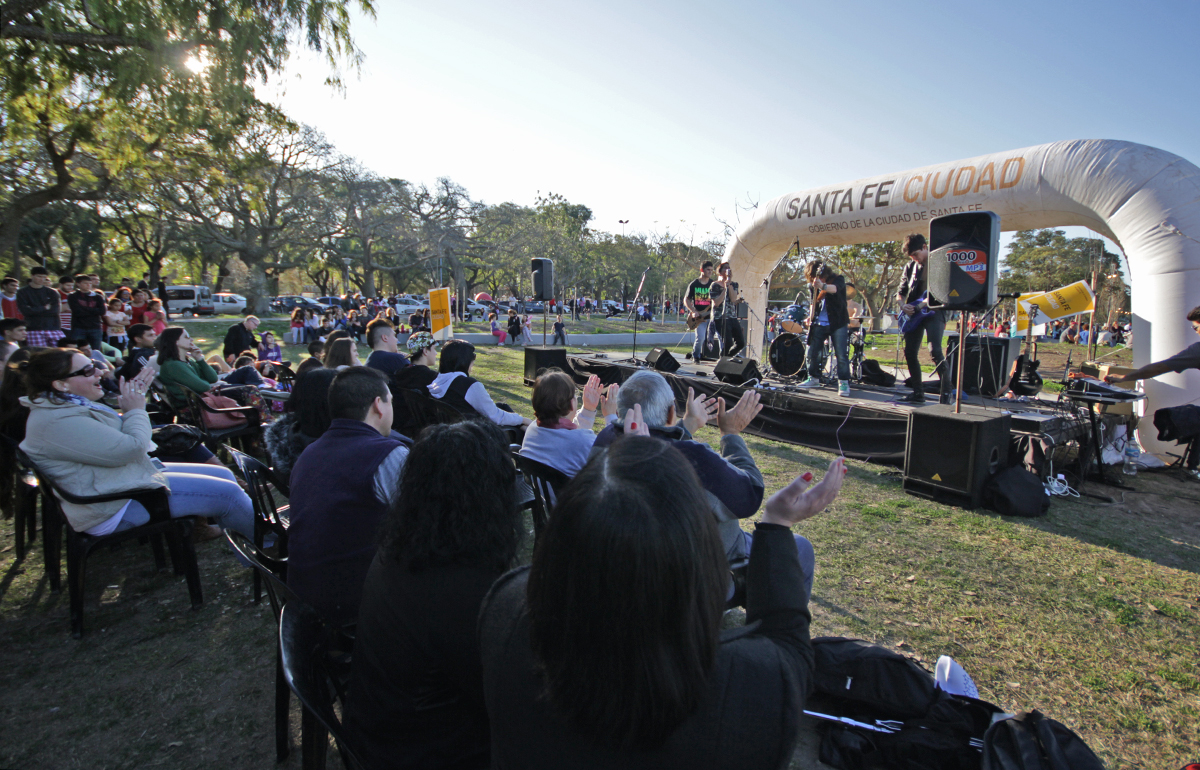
(90, 449)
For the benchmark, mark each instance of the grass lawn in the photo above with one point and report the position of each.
(1091, 614)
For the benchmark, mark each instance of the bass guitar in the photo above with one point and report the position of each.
(695, 319)
(920, 313)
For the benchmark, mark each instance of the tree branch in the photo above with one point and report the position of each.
(82, 39)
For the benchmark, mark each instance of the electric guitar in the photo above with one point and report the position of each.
(922, 311)
(695, 319)
(1025, 378)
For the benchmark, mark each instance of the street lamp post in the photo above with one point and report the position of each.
(623, 222)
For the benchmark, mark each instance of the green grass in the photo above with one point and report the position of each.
(1090, 614)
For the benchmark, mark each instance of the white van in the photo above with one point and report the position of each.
(189, 301)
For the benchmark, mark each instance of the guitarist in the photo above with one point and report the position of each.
(912, 287)
(829, 319)
(702, 295)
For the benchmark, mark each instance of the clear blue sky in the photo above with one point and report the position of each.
(668, 114)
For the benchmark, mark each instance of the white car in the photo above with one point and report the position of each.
(229, 303)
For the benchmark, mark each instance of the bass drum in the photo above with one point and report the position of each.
(787, 354)
(793, 318)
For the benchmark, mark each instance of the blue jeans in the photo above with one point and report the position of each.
(816, 338)
(701, 340)
(560, 336)
(808, 559)
(200, 489)
(93, 336)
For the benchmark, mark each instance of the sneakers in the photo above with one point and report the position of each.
(811, 382)
(916, 397)
(844, 388)
(952, 678)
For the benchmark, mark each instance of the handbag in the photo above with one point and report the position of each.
(175, 440)
(221, 420)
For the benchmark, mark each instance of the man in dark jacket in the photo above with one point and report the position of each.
(913, 285)
(731, 479)
(240, 337)
(341, 487)
(39, 303)
(830, 319)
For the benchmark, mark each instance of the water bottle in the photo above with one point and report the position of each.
(1132, 453)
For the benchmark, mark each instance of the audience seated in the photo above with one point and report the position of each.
(240, 337)
(305, 419)
(181, 366)
(423, 350)
(416, 690)
(308, 364)
(12, 336)
(607, 651)
(244, 372)
(562, 437)
(732, 480)
(90, 449)
(456, 387)
(141, 350)
(341, 486)
(381, 339)
(341, 354)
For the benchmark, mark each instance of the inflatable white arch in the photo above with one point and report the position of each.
(1145, 199)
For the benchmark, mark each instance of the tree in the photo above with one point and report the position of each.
(94, 88)
(1040, 260)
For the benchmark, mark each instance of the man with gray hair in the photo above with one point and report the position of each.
(731, 478)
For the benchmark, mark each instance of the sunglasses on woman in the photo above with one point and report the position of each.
(86, 371)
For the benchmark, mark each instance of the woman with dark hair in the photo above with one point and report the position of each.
(562, 437)
(341, 353)
(306, 418)
(88, 448)
(181, 365)
(416, 690)
(456, 387)
(296, 325)
(607, 651)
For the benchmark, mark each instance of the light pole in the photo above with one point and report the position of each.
(623, 222)
(346, 275)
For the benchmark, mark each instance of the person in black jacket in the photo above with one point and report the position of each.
(39, 303)
(87, 311)
(913, 285)
(240, 337)
(416, 690)
(830, 319)
(607, 651)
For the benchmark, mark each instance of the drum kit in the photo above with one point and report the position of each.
(788, 353)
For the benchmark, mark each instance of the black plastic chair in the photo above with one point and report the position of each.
(272, 572)
(268, 517)
(20, 491)
(159, 406)
(315, 664)
(546, 483)
(80, 545)
(213, 437)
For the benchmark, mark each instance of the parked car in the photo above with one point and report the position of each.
(229, 303)
(330, 301)
(189, 300)
(289, 302)
(474, 309)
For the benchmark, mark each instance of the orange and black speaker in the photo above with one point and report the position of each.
(964, 260)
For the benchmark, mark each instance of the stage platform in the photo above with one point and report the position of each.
(870, 425)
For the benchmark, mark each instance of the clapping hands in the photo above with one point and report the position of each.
(700, 411)
(797, 502)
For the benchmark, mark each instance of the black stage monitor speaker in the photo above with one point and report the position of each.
(737, 370)
(954, 453)
(964, 260)
(662, 360)
(987, 369)
(543, 279)
(539, 358)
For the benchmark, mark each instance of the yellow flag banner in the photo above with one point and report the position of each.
(1068, 301)
(1023, 314)
(439, 314)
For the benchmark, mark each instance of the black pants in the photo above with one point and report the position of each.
(729, 330)
(933, 328)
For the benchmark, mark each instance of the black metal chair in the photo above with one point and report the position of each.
(272, 571)
(80, 545)
(546, 483)
(314, 663)
(159, 406)
(268, 516)
(19, 488)
(213, 437)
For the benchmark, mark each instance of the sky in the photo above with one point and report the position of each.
(677, 116)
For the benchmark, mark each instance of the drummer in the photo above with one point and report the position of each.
(854, 307)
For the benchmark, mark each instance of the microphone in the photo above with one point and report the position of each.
(1014, 295)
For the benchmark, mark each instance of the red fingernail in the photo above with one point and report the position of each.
(807, 476)
(633, 426)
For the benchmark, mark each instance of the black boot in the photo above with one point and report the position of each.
(916, 397)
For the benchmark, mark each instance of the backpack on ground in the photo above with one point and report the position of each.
(873, 374)
(1031, 741)
(1016, 492)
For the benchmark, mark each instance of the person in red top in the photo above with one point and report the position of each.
(8, 298)
(137, 308)
(66, 287)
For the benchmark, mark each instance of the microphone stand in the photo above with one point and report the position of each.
(638, 294)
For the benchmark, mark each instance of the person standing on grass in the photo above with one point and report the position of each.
(8, 298)
(66, 287)
(40, 304)
(116, 319)
(87, 311)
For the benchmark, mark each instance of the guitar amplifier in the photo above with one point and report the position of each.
(953, 455)
(987, 369)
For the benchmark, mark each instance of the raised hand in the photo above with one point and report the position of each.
(699, 412)
(608, 400)
(634, 424)
(735, 420)
(796, 502)
(591, 393)
(133, 394)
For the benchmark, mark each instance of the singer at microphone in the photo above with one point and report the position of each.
(729, 329)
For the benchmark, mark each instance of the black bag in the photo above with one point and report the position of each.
(174, 440)
(856, 672)
(873, 374)
(1016, 492)
(1031, 741)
